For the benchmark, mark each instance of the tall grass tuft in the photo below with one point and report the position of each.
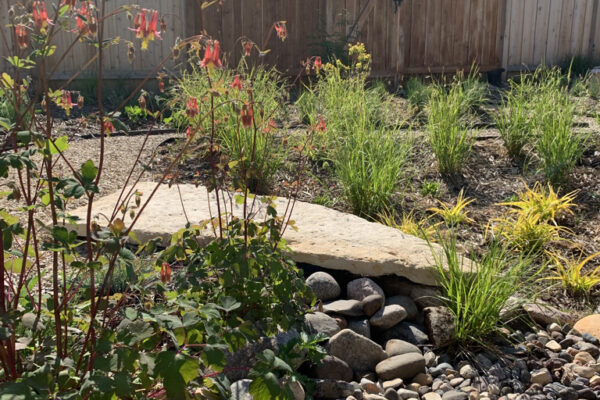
(449, 137)
(514, 120)
(368, 158)
(478, 293)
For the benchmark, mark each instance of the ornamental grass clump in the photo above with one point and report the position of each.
(368, 157)
(447, 127)
(456, 214)
(477, 292)
(570, 274)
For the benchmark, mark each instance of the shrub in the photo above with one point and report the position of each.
(569, 273)
(450, 140)
(477, 293)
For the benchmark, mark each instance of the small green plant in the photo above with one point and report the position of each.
(409, 224)
(477, 292)
(543, 203)
(135, 114)
(454, 215)
(430, 188)
(569, 273)
(449, 137)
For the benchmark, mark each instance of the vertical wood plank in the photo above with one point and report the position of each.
(529, 24)
(540, 42)
(476, 31)
(447, 34)
(417, 35)
(553, 37)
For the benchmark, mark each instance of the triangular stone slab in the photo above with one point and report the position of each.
(324, 237)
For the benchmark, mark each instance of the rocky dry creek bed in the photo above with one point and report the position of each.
(384, 337)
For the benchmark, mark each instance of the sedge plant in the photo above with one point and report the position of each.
(456, 214)
(477, 292)
(569, 273)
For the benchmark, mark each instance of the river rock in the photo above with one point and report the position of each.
(407, 331)
(404, 366)
(349, 308)
(589, 325)
(388, 316)
(360, 326)
(334, 368)
(545, 314)
(361, 353)
(360, 288)
(396, 347)
(240, 390)
(324, 286)
(371, 304)
(412, 312)
(332, 389)
(439, 323)
(322, 323)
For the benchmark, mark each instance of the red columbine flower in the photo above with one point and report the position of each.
(190, 133)
(146, 29)
(247, 46)
(191, 107)
(86, 22)
(247, 115)
(109, 127)
(22, 36)
(321, 127)
(66, 103)
(281, 29)
(211, 56)
(318, 64)
(165, 273)
(40, 16)
(237, 83)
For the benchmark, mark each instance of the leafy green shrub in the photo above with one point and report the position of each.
(450, 140)
(135, 114)
(477, 293)
(430, 188)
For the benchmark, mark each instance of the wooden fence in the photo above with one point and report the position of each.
(418, 36)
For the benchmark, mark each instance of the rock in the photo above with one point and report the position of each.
(431, 396)
(404, 366)
(360, 326)
(371, 396)
(545, 314)
(467, 371)
(407, 394)
(371, 304)
(426, 296)
(423, 379)
(588, 348)
(541, 376)
(325, 237)
(331, 389)
(392, 384)
(583, 358)
(240, 390)
(369, 386)
(589, 325)
(412, 312)
(361, 353)
(391, 394)
(406, 331)
(396, 347)
(334, 368)
(584, 371)
(349, 308)
(430, 359)
(553, 346)
(321, 323)
(359, 289)
(455, 395)
(439, 324)
(388, 316)
(324, 286)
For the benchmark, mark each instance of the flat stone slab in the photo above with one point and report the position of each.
(325, 237)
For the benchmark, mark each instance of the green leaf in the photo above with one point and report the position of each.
(213, 357)
(177, 371)
(16, 391)
(266, 387)
(59, 145)
(229, 304)
(89, 171)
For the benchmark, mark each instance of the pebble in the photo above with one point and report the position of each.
(554, 346)
(392, 384)
(455, 395)
(456, 381)
(467, 371)
(407, 394)
(431, 396)
(584, 371)
(541, 376)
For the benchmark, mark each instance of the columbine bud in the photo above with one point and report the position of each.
(80, 101)
(142, 102)
(163, 24)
